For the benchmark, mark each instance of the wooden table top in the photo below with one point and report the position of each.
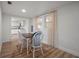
(27, 35)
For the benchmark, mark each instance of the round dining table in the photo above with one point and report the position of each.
(28, 36)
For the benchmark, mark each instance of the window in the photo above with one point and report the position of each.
(15, 24)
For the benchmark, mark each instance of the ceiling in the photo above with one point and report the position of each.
(33, 8)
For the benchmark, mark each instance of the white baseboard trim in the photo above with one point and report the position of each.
(75, 53)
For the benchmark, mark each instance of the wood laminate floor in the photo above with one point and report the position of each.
(9, 51)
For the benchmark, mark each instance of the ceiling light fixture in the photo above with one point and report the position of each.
(9, 2)
(23, 10)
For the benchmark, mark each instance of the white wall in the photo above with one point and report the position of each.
(0, 27)
(6, 26)
(68, 28)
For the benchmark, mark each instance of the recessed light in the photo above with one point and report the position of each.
(23, 10)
